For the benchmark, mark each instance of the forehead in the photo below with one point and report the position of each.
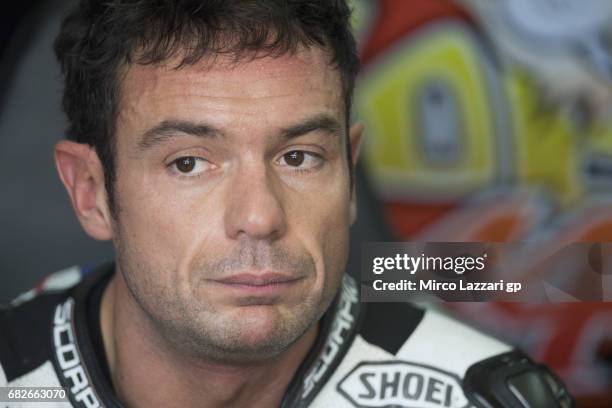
(303, 79)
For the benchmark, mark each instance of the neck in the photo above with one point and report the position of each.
(146, 371)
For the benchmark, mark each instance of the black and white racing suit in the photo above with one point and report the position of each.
(366, 355)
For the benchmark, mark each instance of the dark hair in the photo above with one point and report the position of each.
(98, 38)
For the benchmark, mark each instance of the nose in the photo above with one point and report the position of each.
(254, 206)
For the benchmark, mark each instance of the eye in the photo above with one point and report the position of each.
(294, 158)
(190, 166)
(301, 160)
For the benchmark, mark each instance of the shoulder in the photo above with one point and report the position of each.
(407, 355)
(426, 338)
(26, 330)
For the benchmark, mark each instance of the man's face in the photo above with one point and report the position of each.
(234, 201)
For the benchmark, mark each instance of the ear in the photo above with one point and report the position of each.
(355, 134)
(81, 172)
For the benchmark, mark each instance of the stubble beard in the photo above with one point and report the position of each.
(199, 329)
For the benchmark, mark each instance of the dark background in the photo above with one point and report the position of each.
(38, 231)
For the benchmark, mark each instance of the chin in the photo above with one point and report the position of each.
(259, 324)
(262, 332)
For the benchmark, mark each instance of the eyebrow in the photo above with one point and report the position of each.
(168, 129)
(322, 122)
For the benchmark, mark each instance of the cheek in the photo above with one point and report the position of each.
(160, 235)
(324, 223)
(154, 219)
(335, 238)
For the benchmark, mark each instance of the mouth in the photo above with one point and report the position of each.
(261, 284)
